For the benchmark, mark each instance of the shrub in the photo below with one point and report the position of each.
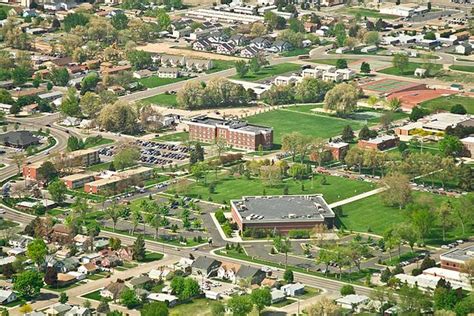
(298, 233)
(347, 289)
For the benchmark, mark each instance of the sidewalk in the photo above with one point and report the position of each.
(357, 197)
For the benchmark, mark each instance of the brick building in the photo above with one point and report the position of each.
(282, 213)
(30, 171)
(338, 150)
(75, 181)
(118, 181)
(84, 157)
(455, 259)
(238, 134)
(379, 143)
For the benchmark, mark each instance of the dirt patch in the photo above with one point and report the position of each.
(166, 48)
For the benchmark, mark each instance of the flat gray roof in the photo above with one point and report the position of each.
(460, 255)
(232, 124)
(286, 208)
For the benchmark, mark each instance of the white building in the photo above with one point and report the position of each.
(352, 300)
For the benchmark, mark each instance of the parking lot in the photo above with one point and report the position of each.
(155, 153)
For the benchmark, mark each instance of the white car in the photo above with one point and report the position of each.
(444, 247)
(460, 241)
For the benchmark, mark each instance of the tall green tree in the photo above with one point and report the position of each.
(28, 284)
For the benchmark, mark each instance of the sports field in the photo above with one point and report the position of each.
(388, 85)
(286, 121)
(409, 70)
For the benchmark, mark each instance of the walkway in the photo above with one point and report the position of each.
(357, 197)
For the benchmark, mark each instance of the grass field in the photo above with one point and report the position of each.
(168, 100)
(175, 137)
(372, 214)
(199, 306)
(220, 65)
(95, 296)
(286, 121)
(368, 13)
(269, 72)
(296, 52)
(445, 103)
(154, 81)
(331, 62)
(97, 142)
(462, 68)
(99, 167)
(229, 187)
(409, 71)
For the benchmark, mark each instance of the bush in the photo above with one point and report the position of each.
(298, 233)
(416, 272)
(398, 269)
(220, 217)
(347, 289)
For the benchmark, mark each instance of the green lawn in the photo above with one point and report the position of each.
(286, 121)
(175, 137)
(229, 187)
(5, 224)
(445, 103)
(372, 214)
(94, 142)
(154, 81)
(462, 68)
(199, 306)
(270, 71)
(152, 256)
(220, 65)
(331, 62)
(95, 296)
(99, 167)
(156, 179)
(368, 13)
(296, 52)
(168, 100)
(409, 71)
(55, 212)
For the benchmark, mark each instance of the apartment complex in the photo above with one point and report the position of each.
(76, 181)
(30, 171)
(238, 134)
(83, 157)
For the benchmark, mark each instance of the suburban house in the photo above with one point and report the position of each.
(280, 46)
(293, 289)
(228, 271)
(261, 43)
(225, 49)
(7, 296)
(168, 72)
(205, 266)
(113, 290)
(254, 275)
(202, 45)
(464, 48)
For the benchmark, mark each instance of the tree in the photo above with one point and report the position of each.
(451, 146)
(312, 90)
(25, 309)
(282, 245)
(458, 109)
(422, 220)
(347, 134)
(127, 156)
(400, 61)
(18, 158)
(113, 213)
(6, 97)
(261, 297)
(90, 105)
(365, 67)
(129, 298)
(74, 143)
(20, 75)
(51, 276)
(139, 250)
(288, 276)
(59, 76)
(241, 68)
(70, 104)
(28, 284)
(372, 38)
(154, 309)
(74, 19)
(324, 306)
(119, 21)
(347, 289)
(341, 63)
(163, 19)
(118, 117)
(139, 59)
(398, 190)
(342, 99)
(279, 94)
(103, 306)
(394, 103)
(89, 82)
(63, 298)
(463, 212)
(413, 300)
(240, 305)
(258, 29)
(444, 212)
(37, 251)
(364, 133)
(57, 189)
(8, 270)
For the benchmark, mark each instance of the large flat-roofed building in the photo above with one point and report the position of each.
(119, 180)
(282, 213)
(455, 259)
(238, 134)
(75, 181)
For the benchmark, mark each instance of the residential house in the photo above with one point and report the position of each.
(352, 301)
(218, 37)
(228, 271)
(225, 49)
(202, 45)
(125, 253)
(168, 72)
(169, 299)
(261, 43)
(88, 268)
(280, 46)
(347, 74)
(113, 290)
(254, 275)
(143, 73)
(464, 49)
(139, 282)
(110, 262)
(158, 274)
(205, 266)
(20, 241)
(199, 65)
(238, 40)
(58, 309)
(420, 72)
(293, 289)
(369, 49)
(60, 233)
(277, 296)
(65, 279)
(78, 311)
(90, 257)
(249, 52)
(7, 296)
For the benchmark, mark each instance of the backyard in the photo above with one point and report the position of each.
(288, 120)
(270, 71)
(229, 187)
(445, 103)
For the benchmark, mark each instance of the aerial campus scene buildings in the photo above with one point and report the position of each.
(231, 157)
